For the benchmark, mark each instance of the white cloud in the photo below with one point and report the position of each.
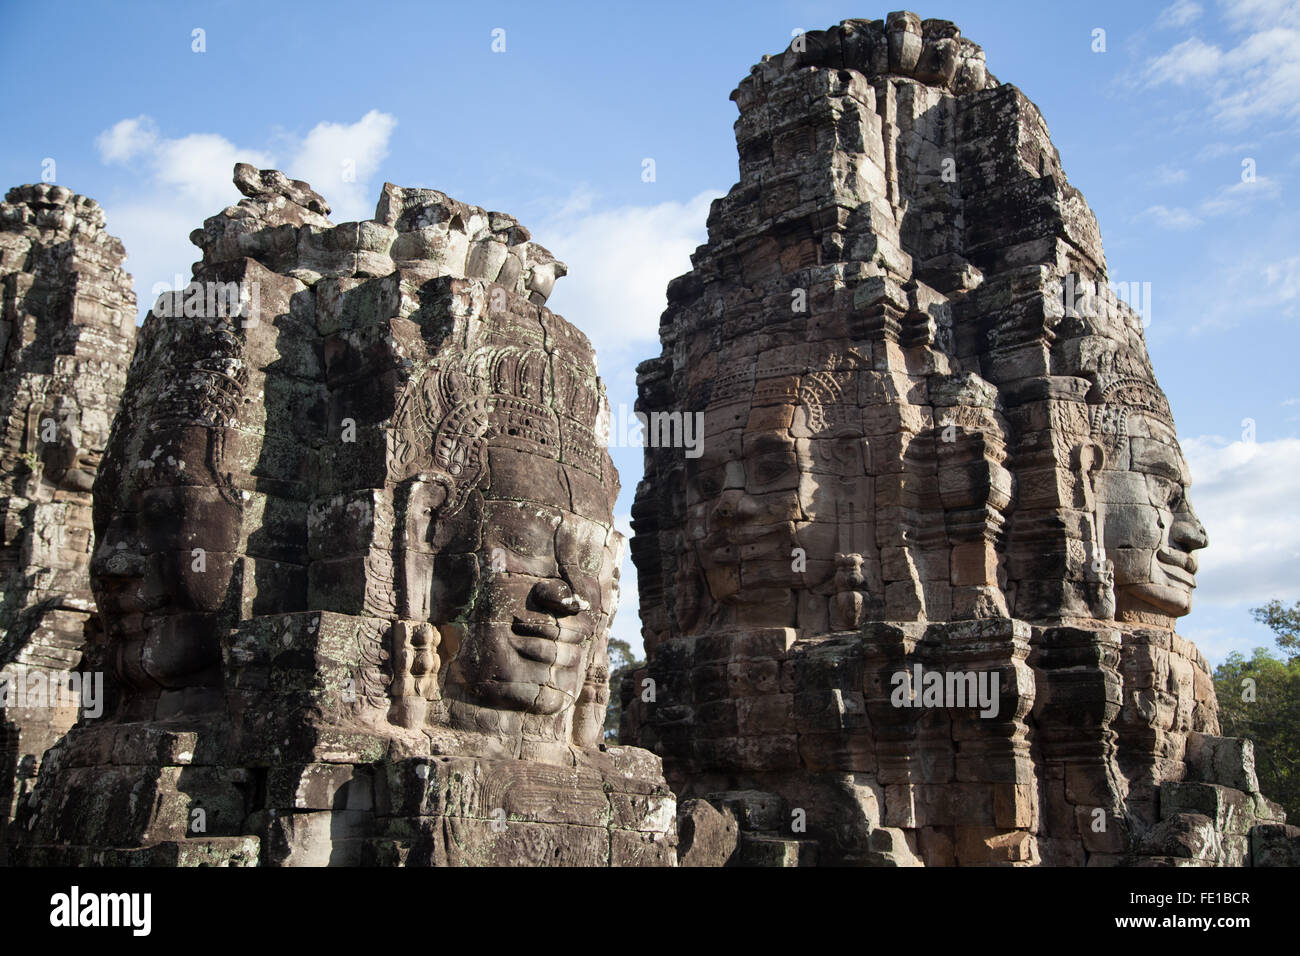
(1242, 284)
(189, 170)
(181, 181)
(1258, 78)
(1169, 176)
(1263, 80)
(1233, 199)
(127, 139)
(1245, 494)
(1217, 149)
(1175, 218)
(339, 160)
(1179, 13)
(578, 203)
(1284, 282)
(1239, 197)
(1242, 14)
(195, 170)
(1190, 60)
(620, 259)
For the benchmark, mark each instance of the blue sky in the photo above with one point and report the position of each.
(554, 130)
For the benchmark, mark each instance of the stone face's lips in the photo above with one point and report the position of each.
(546, 641)
(129, 598)
(545, 651)
(720, 541)
(546, 629)
(133, 625)
(538, 649)
(1183, 563)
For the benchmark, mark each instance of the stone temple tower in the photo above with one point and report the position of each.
(355, 562)
(67, 331)
(915, 601)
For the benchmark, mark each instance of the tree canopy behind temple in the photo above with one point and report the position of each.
(1259, 698)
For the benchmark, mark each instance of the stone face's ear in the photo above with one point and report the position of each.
(593, 700)
(1088, 458)
(419, 500)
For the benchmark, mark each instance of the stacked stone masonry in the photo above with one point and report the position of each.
(67, 329)
(935, 455)
(349, 565)
(356, 562)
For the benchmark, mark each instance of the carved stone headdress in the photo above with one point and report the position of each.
(829, 409)
(517, 396)
(207, 385)
(1117, 399)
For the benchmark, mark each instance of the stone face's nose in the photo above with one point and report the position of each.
(1188, 532)
(732, 506)
(114, 559)
(558, 598)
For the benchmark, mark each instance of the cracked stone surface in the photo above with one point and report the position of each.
(67, 330)
(356, 561)
(933, 444)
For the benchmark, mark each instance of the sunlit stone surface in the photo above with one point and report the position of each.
(67, 328)
(915, 600)
(356, 562)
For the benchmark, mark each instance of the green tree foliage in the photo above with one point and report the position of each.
(621, 662)
(1259, 698)
(1285, 623)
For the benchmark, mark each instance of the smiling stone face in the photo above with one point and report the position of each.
(525, 638)
(778, 492)
(743, 503)
(510, 550)
(168, 521)
(160, 599)
(1150, 529)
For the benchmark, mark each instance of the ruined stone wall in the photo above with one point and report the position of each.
(356, 562)
(932, 447)
(67, 329)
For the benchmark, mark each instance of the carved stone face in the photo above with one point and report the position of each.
(545, 578)
(767, 511)
(1150, 530)
(509, 551)
(742, 505)
(164, 563)
(68, 463)
(168, 526)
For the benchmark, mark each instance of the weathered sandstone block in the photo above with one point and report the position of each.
(356, 561)
(938, 467)
(67, 327)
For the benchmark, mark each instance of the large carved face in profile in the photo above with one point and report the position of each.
(167, 522)
(1150, 531)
